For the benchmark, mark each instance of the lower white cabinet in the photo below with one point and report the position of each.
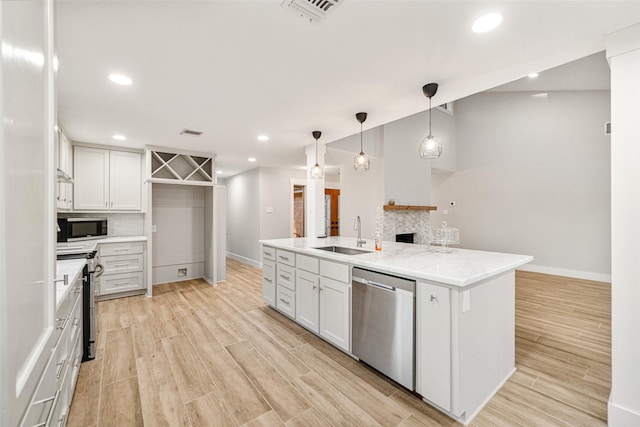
(269, 282)
(433, 331)
(335, 312)
(123, 268)
(308, 300)
(50, 403)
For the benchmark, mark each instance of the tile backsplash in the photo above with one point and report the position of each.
(119, 224)
(390, 223)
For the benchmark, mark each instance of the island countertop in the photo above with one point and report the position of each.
(460, 268)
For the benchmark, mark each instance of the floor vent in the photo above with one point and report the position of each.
(313, 10)
(189, 132)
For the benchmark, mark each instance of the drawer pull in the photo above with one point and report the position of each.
(121, 283)
(121, 265)
(77, 362)
(285, 277)
(64, 323)
(268, 280)
(284, 301)
(76, 321)
(285, 258)
(122, 249)
(60, 368)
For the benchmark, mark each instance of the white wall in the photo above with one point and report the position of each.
(178, 214)
(249, 194)
(533, 177)
(275, 193)
(407, 176)
(623, 52)
(243, 216)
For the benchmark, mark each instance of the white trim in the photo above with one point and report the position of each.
(619, 416)
(576, 274)
(174, 150)
(293, 182)
(330, 185)
(244, 260)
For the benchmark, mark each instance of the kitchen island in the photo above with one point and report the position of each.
(464, 309)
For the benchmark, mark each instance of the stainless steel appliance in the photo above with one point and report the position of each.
(75, 229)
(383, 317)
(90, 290)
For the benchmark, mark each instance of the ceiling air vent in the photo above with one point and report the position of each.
(314, 10)
(189, 132)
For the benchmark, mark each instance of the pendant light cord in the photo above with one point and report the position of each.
(316, 151)
(361, 138)
(429, 115)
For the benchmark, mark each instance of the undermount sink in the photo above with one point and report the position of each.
(343, 250)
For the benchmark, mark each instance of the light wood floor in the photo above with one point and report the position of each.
(196, 355)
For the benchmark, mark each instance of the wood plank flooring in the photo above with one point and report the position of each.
(197, 355)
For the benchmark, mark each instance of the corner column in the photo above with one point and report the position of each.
(314, 203)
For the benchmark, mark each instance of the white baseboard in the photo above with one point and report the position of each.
(621, 417)
(244, 260)
(576, 274)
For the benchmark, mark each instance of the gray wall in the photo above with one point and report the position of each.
(249, 194)
(533, 177)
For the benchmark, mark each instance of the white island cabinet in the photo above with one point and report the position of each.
(465, 308)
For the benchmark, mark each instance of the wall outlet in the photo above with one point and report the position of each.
(182, 272)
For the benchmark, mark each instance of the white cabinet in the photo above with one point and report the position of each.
(335, 312)
(64, 162)
(123, 269)
(106, 179)
(269, 275)
(433, 344)
(307, 300)
(52, 398)
(286, 288)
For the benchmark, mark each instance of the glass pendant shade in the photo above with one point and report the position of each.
(361, 162)
(430, 147)
(316, 172)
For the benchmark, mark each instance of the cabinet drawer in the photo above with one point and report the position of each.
(269, 270)
(334, 270)
(107, 249)
(43, 398)
(286, 257)
(122, 263)
(75, 321)
(268, 253)
(307, 263)
(121, 283)
(286, 277)
(286, 302)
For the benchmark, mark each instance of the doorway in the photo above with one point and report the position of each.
(298, 210)
(331, 211)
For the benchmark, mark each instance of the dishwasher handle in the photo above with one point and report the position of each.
(372, 283)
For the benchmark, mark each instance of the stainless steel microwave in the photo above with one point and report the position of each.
(73, 229)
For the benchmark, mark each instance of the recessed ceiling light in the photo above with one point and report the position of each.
(120, 79)
(219, 172)
(487, 23)
(532, 75)
(252, 159)
(119, 137)
(263, 138)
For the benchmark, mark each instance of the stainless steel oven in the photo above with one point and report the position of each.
(90, 290)
(75, 229)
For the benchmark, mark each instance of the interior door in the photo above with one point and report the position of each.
(333, 204)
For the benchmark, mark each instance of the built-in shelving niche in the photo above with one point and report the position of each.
(186, 168)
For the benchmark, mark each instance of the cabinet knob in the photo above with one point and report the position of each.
(433, 298)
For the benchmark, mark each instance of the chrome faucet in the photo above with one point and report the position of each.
(357, 225)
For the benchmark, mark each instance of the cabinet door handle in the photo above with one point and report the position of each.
(111, 204)
(314, 287)
(60, 368)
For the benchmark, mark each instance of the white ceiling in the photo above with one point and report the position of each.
(235, 69)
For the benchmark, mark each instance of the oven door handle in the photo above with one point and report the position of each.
(98, 271)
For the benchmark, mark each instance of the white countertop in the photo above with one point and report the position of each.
(460, 268)
(72, 267)
(90, 245)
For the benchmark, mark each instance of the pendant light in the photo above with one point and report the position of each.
(316, 172)
(361, 161)
(430, 147)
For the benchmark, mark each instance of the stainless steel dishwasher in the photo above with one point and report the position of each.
(383, 316)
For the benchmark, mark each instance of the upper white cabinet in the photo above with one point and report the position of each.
(64, 162)
(106, 179)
